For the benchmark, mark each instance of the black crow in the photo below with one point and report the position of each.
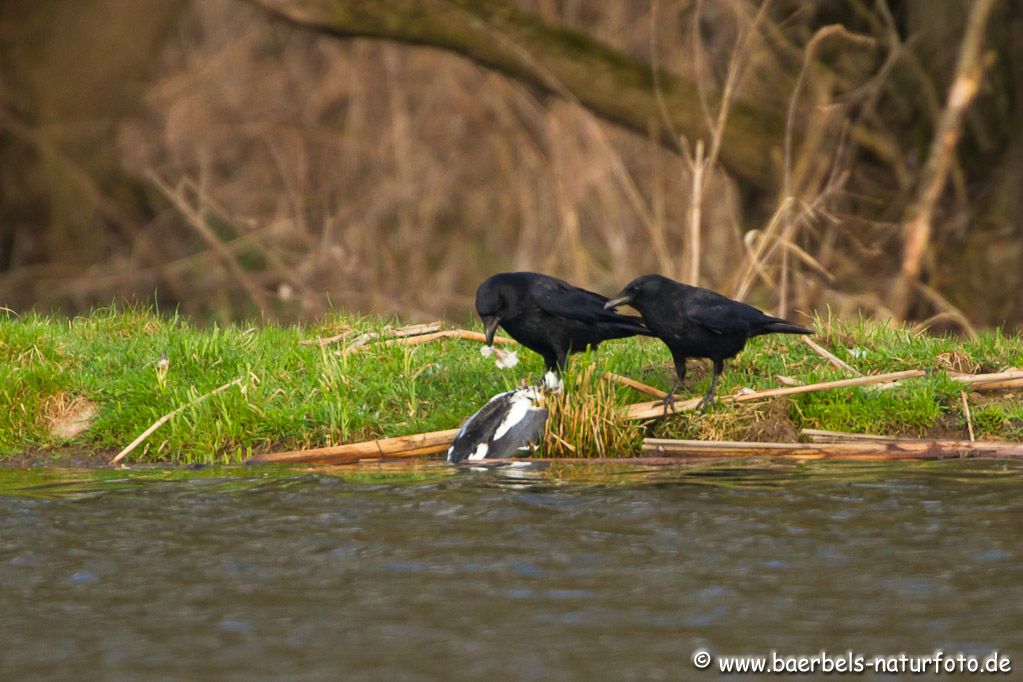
(697, 323)
(550, 316)
(507, 426)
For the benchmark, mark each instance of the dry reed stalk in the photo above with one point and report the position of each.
(326, 340)
(829, 356)
(697, 165)
(966, 413)
(650, 410)
(638, 385)
(822, 436)
(993, 381)
(360, 341)
(415, 329)
(414, 445)
(435, 336)
(401, 332)
(170, 415)
(861, 450)
(756, 243)
(418, 339)
(948, 311)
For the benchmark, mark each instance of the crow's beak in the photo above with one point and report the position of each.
(621, 299)
(490, 323)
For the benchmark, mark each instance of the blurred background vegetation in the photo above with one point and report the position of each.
(279, 158)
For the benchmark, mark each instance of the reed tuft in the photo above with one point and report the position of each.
(583, 419)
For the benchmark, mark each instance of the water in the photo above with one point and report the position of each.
(572, 573)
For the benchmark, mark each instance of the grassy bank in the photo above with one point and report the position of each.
(101, 371)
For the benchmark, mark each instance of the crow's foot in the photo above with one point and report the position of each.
(669, 403)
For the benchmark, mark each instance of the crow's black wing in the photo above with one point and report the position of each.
(561, 299)
(722, 315)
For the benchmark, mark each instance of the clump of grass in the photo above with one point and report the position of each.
(767, 421)
(583, 420)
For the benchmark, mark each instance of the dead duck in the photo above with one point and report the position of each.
(511, 424)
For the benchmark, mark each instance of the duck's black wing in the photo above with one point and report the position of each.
(479, 428)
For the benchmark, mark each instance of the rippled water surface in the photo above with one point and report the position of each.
(570, 573)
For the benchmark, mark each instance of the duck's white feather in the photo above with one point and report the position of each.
(520, 407)
(481, 452)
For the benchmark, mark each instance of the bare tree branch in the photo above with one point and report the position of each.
(917, 226)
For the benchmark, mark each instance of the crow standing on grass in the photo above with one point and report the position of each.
(550, 316)
(697, 323)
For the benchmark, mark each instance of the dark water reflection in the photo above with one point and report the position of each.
(574, 573)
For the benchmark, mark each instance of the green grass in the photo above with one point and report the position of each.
(295, 395)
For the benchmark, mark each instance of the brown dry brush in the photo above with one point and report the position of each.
(283, 172)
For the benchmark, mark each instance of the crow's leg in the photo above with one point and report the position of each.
(669, 400)
(680, 376)
(708, 400)
(562, 360)
(553, 382)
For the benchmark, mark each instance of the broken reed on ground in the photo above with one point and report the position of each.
(293, 395)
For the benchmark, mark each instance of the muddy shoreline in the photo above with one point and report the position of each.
(61, 458)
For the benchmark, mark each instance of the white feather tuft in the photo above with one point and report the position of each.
(504, 359)
(552, 382)
(481, 452)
